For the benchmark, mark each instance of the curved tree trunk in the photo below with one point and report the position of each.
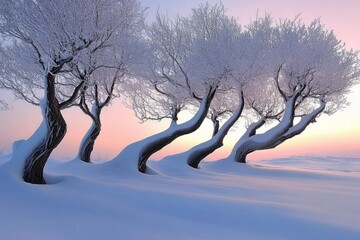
(251, 131)
(174, 132)
(88, 142)
(246, 149)
(55, 132)
(261, 141)
(201, 151)
(300, 126)
(216, 125)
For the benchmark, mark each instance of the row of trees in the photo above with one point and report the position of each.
(86, 53)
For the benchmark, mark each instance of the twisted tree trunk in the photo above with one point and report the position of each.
(262, 141)
(163, 139)
(300, 126)
(216, 125)
(201, 151)
(54, 133)
(88, 142)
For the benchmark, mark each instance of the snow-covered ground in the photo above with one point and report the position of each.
(295, 198)
(336, 164)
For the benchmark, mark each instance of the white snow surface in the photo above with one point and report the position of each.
(276, 199)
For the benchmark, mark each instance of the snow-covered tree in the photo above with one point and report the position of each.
(104, 72)
(180, 72)
(93, 98)
(247, 61)
(312, 72)
(42, 39)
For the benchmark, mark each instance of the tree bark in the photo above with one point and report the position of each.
(88, 142)
(172, 133)
(258, 142)
(216, 125)
(251, 131)
(198, 153)
(55, 132)
(292, 131)
(300, 126)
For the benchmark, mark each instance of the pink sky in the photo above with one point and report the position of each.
(337, 135)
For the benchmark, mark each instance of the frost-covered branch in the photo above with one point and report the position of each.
(314, 66)
(45, 39)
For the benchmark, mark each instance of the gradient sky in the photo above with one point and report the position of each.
(336, 135)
